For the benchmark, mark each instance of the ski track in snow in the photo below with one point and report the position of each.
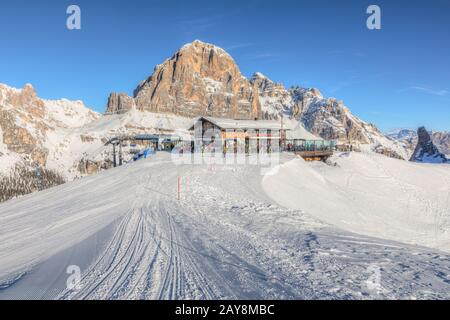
(225, 239)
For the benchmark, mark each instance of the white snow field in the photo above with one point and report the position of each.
(226, 238)
(370, 194)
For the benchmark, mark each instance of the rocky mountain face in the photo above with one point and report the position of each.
(120, 103)
(200, 79)
(425, 150)
(25, 108)
(328, 118)
(442, 141)
(31, 128)
(274, 99)
(409, 139)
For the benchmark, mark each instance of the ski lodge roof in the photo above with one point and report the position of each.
(224, 123)
(294, 130)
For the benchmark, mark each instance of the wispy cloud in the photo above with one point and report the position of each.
(339, 86)
(429, 90)
(264, 55)
(354, 78)
(344, 53)
(200, 24)
(238, 46)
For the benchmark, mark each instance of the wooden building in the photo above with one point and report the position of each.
(250, 135)
(261, 135)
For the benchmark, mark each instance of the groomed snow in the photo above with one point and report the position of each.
(225, 238)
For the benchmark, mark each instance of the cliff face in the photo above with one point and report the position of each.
(425, 150)
(17, 109)
(274, 98)
(442, 141)
(32, 129)
(119, 103)
(328, 118)
(200, 79)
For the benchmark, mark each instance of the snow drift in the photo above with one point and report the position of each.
(370, 194)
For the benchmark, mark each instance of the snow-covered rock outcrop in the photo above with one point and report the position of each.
(442, 141)
(425, 150)
(275, 100)
(409, 139)
(32, 130)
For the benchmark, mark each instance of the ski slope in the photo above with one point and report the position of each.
(226, 238)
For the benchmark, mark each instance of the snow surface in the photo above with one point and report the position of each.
(370, 194)
(226, 237)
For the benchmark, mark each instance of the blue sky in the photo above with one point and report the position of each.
(398, 76)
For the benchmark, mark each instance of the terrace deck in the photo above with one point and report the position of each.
(316, 155)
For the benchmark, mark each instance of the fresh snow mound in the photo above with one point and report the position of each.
(370, 194)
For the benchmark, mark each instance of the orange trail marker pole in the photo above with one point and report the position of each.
(179, 187)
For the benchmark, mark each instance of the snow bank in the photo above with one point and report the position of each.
(370, 194)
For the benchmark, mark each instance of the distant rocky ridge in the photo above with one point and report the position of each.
(328, 118)
(409, 139)
(29, 126)
(425, 150)
(442, 141)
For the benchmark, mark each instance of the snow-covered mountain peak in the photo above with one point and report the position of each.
(199, 45)
(402, 134)
(261, 77)
(70, 114)
(300, 92)
(33, 130)
(200, 79)
(63, 112)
